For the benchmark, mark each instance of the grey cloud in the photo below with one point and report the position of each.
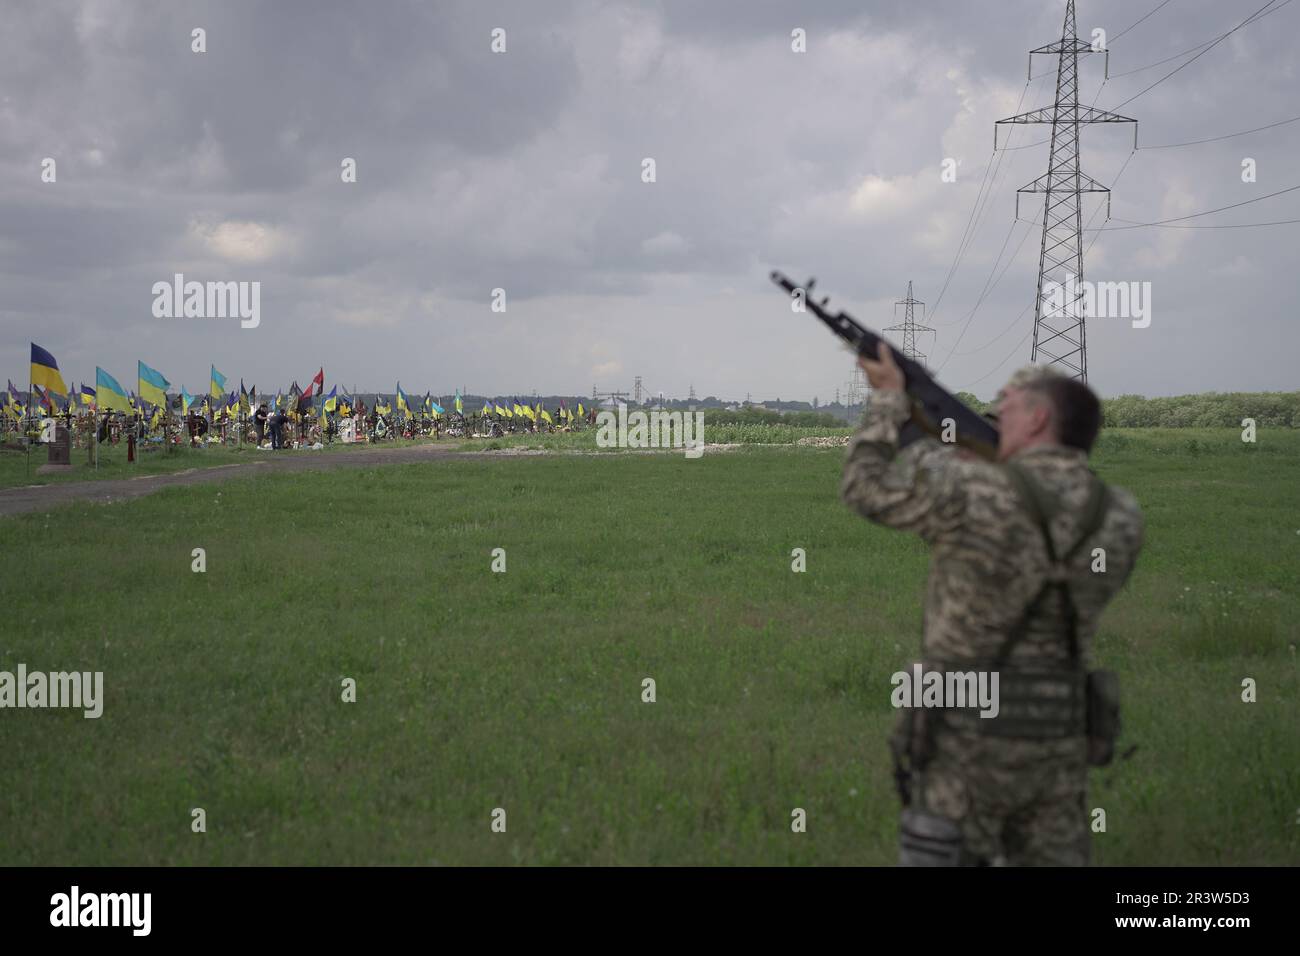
(523, 171)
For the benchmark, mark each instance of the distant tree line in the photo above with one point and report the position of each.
(761, 416)
(1206, 410)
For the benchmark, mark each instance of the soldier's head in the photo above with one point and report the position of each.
(1039, 406)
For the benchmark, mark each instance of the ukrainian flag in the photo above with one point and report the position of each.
(186, 400)
(217, 384)
(111, 396)
(459, 406)
(45, 371)
(87, 395)
(153, 387)
(331, 402)
(402, 405)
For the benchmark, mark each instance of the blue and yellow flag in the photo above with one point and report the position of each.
(153, 387)
(216, 384)
(111, 396)
(331, 401)
(87, 396)
(459, 407)
(186, 400)
(45, 371)
(402, 405)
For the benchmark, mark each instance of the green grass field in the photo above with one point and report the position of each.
(522, 690)
(154, 459)
(17, 469)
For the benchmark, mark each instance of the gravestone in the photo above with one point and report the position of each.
(60, 452)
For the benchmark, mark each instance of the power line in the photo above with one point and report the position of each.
(1195, 215)
(1215, 139)
(1203, 52)
(1000, 364)
(979, 218)
(962, 243)
(981, 348)
(988, 288)
(1239, 225)
(1135, 23)
(1191, 49)
(1151, 66)
(1190, 142)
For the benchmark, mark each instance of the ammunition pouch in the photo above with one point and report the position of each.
(1103, 717)
(928, 840)
(1032, 705)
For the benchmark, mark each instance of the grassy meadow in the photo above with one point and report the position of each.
(522, 690)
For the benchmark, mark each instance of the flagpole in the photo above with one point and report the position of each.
(27, 439)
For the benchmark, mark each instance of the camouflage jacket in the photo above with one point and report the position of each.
(988, 555)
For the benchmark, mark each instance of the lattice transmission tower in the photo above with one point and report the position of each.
(1059, 330)
(909, 326)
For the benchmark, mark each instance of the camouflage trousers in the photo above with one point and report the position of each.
(1017, 802)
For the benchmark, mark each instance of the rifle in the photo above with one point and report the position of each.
(932, 404)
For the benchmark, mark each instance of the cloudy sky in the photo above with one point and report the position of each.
(522, 171)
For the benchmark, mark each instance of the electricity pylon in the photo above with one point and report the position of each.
(1059, 331)
(909, 328)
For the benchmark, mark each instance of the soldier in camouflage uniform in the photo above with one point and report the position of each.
(1011, 790)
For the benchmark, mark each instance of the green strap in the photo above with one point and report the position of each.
(1042, 505)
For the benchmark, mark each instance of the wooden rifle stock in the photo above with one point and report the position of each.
(932, 404)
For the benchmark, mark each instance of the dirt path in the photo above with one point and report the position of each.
(39, 497)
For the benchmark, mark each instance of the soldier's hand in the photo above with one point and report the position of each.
(882, 374)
